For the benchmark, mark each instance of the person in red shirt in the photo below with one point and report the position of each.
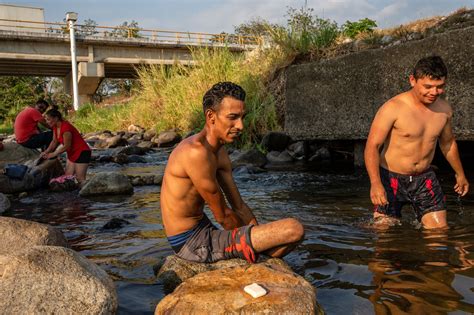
(26, 127)
(78, 152)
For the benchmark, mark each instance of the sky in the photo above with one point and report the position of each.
(213, 16)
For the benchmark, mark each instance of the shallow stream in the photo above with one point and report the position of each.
(355, 268)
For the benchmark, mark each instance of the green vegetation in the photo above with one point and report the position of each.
(352, 29)
(171, 97)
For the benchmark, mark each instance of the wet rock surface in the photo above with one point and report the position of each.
(107, 183)
(221, 291)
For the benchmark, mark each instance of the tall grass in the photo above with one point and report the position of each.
(170, 97)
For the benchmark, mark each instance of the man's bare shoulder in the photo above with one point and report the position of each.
(190, 150)
(393, 105)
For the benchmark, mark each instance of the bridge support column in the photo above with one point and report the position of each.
(90, 74)
(359, 148)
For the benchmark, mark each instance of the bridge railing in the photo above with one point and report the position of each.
(131, 32)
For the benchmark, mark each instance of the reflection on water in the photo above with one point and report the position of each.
(355, 268)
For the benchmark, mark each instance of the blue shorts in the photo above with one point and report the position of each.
(421, 190)
(206, 243)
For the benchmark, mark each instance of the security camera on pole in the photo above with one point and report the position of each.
(71, 18)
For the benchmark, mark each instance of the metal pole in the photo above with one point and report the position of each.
(71, 18)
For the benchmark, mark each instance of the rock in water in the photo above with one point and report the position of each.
(4, 203)
(107, 183)
(54, 280)
(222, 292)
(17, 234)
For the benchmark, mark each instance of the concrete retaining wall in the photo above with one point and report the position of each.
(337, 99)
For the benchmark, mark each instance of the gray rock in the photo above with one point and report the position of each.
(221, 292)
(279, 157)
(176, 270)
(275, 141)
(54, 280)
(107, 183)
(112, 142)
(16, 153)
(167, 139)
(149, 134)
(321, 154)
(386, 39)
(296, 150)
(135, 129)
(4, 203)
(115, 223)
(18, 234)
(250, 157)
(146, 144)
(133, 150)
(36, 177)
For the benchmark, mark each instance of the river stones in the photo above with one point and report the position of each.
(4, 203)
(167, 139)
(39, 275)
(251, 157)
(16, 153)
(54, 280)
(276, 157)
(175, 270)
(107, 183)
(222, 292)
(275, 141)
(19, 234)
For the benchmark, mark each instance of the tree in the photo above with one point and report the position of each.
(352, 29)
(126, 30)
(89, 28)
(18, 92)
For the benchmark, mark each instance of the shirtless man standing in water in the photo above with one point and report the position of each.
(408, 126)
(199, 171)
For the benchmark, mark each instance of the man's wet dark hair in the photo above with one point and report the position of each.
(54, 113)
(432, 67)
(42, 103)
(218, 91)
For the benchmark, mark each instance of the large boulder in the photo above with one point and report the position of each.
(15, 153)
(4, 203)
(54, 280)
(19, 234)
(36, 177)
(176, 270)
(107, 183)
(251, 157)
(112, 142)
(222, 292)
(275, 141)
(167, 139)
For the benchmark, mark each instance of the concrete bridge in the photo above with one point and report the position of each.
(43, 49)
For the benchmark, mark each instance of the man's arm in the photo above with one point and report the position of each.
(201, 168)
(52, 146)
(226, 182)
(449, 148)
(381, 126)
(67, 142)
(43, 123)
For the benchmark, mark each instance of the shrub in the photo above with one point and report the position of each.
(352, 29)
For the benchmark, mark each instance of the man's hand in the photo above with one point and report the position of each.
(378, 195)
(462, 185)
(231, 220)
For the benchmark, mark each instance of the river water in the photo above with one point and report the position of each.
(355, 268)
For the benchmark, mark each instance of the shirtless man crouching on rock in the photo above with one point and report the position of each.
(409, 126)
(199, 171)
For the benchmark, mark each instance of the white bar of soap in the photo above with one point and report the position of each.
(255, 290)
